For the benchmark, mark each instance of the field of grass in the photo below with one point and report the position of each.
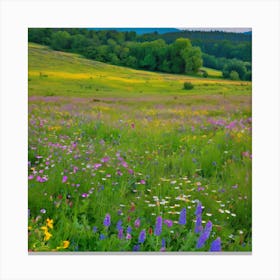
(126, 160)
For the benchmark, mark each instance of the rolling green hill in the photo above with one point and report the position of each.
(53, 73)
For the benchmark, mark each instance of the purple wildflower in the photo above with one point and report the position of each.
(130, 171)
(143, 182)
(102, 236)
(136, 248)
(128, 236)
(120, 233)
(198, 224)
(107, 220)
(158, 226)
(105, 159)
(97, 165)
(142, 236)
(204, 235)
(216, 245)
(64, 179)
(43, 211)
(198, 209)
(124, 164)
(183, 217)
(137, 223)
(169, 223)
(30, 177)
(119, 225)
(84, 195)
(94, 229)
(162, 249)
(129, 229)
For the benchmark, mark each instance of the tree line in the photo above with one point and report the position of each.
(136, 51)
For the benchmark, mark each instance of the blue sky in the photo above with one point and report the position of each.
(221, 29)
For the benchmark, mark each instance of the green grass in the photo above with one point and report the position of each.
(167, 149)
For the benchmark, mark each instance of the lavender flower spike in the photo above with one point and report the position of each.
(158, 226)
(183, 217)
(204, 235)
(107, 220)
(142, 236)
(216, 245)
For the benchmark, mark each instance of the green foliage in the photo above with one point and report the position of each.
(188, 85)
(61, 40)
(236, 66)
(234, 76)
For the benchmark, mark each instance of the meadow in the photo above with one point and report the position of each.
(126, 160)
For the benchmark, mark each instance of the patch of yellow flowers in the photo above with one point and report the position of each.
(49, 224)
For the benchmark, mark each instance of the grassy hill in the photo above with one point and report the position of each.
(53, 73)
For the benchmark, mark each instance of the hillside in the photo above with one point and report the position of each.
(53, 73)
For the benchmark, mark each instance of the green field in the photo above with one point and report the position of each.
(108, 141)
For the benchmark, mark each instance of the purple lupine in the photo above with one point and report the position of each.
(94, 229)
(169, 223)
(137, 223)
(204, 235)
(102, 236)
(129, 229)
(119, 224)
(158, 226)
(107, 220)
(136, 248)
(120, 233)
(183, 217)
(198, 210)
(198, 224)
(216, 245)
(162, 249)
(142, 236)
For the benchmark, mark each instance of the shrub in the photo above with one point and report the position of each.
(188, 85)
(205, 74)
(234, 76)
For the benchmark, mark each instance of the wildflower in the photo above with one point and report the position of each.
(65, 244)
(158, 226)
(142, 236)
(30, 177)
(120, 233)
(198, 209)
(169, 223)
(107, 220)
(204, 235)
(119, 225)
(97, 165)
(94, 229)
(47, 236)
(132, 125)
(43, 211)
(49, 223)
(216, 245)
(124, 164)
(105, 159)
(44, 228)
(150, 230)
(183, 217)
(129, 229)
(137, 223)
(198, 224)
(64, 179)
(143, 182)
(102, 236)
(84, 195)
(130, 171)
(136, 248)
(162, 249)
(128, 236)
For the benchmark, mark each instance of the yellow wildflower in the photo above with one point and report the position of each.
(45, 229)
(49, 223)
(47, 236)
(66, 244)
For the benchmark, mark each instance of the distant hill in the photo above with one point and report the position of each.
(141, 31)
